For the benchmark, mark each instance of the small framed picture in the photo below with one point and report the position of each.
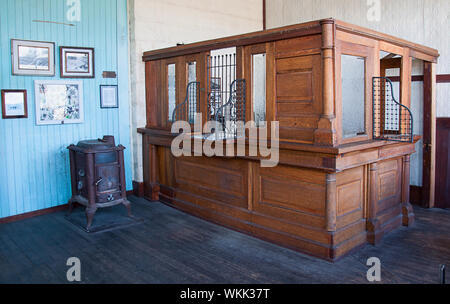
(14, 104)
(35, 58)
(108, 96)
(76, 62)
(58, 101)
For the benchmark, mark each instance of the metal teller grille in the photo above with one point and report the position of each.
(391, 120)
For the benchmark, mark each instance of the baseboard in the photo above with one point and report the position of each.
(138, 189)
(27, 215)
(415, 195)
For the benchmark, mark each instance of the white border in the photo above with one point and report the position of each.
(58, 82)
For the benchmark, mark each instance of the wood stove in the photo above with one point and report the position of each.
(98, 176)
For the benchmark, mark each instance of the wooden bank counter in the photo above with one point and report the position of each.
(330, 193)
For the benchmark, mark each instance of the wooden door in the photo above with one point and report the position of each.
(443, 163)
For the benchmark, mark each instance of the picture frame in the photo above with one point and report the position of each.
(59, 102)
(34, 58)
(14, 104)
(109, 97)
(76, 62)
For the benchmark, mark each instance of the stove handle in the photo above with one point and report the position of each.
(99, 180)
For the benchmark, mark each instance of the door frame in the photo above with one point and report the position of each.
(429, 135)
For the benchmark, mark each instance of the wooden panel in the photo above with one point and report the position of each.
(216, 179)
(389, 192)
(224, 180)
(443, 159)
(356, 158)
(297, 44)
(293, 195)
(387, 184)
(349, 186)
(295, 86)
(291, 189)
(298, 96)
(299, 121)
(352, 38)
(294, 108)
(388, 179)
(302, 63)
(349, 197)
(153, 93)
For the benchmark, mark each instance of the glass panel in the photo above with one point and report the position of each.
(259, 88)
(353, 96)
(171, 89)
(192, 77)
(192, 71)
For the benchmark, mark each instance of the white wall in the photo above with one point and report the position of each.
(158, 24)
(425, 22)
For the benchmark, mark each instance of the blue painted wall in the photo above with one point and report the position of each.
(34, 161)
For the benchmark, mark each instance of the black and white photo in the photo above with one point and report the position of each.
(76, 62)
(34, 58)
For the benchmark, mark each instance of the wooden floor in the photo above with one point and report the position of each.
(173, 247)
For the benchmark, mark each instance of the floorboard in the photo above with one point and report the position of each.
(172, 247)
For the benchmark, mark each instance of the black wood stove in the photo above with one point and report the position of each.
(98, 176)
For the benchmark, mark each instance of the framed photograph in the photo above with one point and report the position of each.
(76, 62)
(14, 104)
(108, 96)
(35, 58)
(58, 101)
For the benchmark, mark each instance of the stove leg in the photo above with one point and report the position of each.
(127, 204)
(90, 212)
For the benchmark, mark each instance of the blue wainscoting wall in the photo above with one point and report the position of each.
(34, 161)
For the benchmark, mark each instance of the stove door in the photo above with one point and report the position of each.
(107, 178)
